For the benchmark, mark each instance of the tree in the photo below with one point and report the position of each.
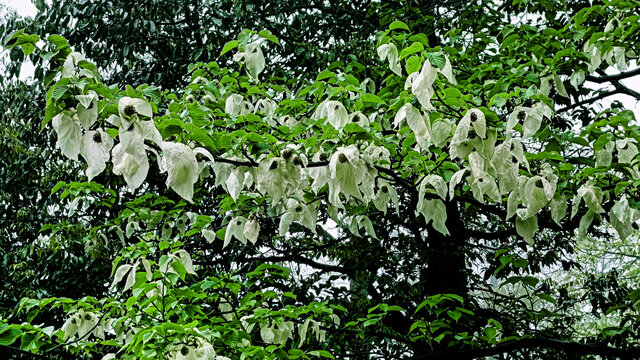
(319, 36)
(403, 189)
(28, 193)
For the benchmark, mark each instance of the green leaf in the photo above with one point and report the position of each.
(322, 353)
(27, 48)
(398, 25)
(58, 41)
(454, 314)
(528, 280)
(27, 340)
(437, 59)
(325, 75)
(57, 186)
(416, 47)
(180, 269)
(371, 98)
(414, 64)
(509, 40)
(7, 337)
(59, 91)
(229, 46)
(266, 34)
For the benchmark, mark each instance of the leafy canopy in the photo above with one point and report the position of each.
(429, 138)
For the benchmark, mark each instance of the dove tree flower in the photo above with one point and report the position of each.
(253, 59)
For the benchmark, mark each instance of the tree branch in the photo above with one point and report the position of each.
(614, 77)
(588, 101)
(303, 260)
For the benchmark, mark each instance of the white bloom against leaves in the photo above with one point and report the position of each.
(132, 108)
(130, 157)
(182, 167)
(553, 79)
(480, 181)
(359, 118)
(422, 84)
(385, 194)
(335, 113)
(238, 227)
(534, 117)
(362, 222)
(537, 194)
(239, 178)
(81, 324)
(432, 184)
(69, 135)
(468, 134)
(592, 196)
(71, 68)
(577, 78)
(506, 159)
(267, 108)
(622, 217)
(251, 229)
(440, 131)
(414, 119)
(253, 59)
(346, 173)
(433, 209)
(527, 228)
(320, 174)
(203, 351)
(390, 52)
(447, 71)
(95, 149)
(305, 214)
(530, 118)
(236, 105)
(558, 207)
(627, 150)
(279, 177)
(87, 109)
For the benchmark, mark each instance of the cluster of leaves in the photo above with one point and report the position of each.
(436, 150)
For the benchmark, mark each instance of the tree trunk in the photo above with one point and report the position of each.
(446, 271)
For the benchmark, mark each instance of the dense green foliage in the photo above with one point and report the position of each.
(414, 207)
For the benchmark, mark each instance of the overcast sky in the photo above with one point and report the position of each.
(23, 7)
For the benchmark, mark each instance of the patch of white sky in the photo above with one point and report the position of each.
(27, 9)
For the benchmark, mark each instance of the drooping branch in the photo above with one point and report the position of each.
(588, 101)
(300, 259)
(613, 77)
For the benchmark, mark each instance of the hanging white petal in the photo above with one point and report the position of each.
(130, 158)
(251, 230)
(87, 109)
(182, 167)
(128, 107)
(235, 228)
(390, 52)
(254, 59)
(422, 85)
(95, 149)
(69, 135)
